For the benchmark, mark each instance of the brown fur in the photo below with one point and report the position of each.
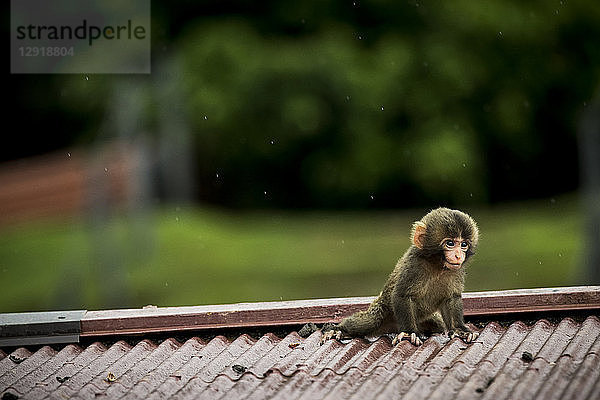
(420, 295)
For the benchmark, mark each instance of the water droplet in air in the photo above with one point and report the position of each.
(560, 254)
(372, 197)
(105, 169)
(500, 33)
(87, 78)
(348, 98)
(205, 117)
(382, 108)
(69, 155)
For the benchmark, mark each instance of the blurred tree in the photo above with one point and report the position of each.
(355, 104)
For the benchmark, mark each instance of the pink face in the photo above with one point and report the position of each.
(455, 252)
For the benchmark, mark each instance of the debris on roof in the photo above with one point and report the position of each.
(544, 357)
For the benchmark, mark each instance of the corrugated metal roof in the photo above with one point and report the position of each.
(543, 360)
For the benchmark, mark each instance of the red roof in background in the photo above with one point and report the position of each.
(545, 357)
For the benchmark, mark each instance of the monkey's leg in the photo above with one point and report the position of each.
(331, 334)
(362, 323)
(405, 311)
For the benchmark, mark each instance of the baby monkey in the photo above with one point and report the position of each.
(422, 295)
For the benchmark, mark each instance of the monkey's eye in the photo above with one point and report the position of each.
(449, 243)
(464, 245)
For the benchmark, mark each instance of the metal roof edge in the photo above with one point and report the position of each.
(151, 319)
(297, 312)
(40, 327)
(531, 300)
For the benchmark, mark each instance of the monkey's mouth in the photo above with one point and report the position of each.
(453, 266)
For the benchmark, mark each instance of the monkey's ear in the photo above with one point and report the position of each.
(418, 234)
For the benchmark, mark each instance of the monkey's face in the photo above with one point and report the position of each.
(449, 236)
(455, 252)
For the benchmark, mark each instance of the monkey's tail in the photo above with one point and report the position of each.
(364, 323)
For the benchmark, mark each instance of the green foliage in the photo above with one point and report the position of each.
(318, 116)
(361, 110)
(353, 104)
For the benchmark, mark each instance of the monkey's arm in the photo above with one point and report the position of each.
(405, 312)
(452, 314)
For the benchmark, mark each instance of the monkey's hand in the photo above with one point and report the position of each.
(414, 338)
(466, 335)
(331, 334)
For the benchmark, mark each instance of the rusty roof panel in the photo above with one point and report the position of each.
(559, 359)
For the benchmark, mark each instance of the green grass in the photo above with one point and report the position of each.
(190, 256)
